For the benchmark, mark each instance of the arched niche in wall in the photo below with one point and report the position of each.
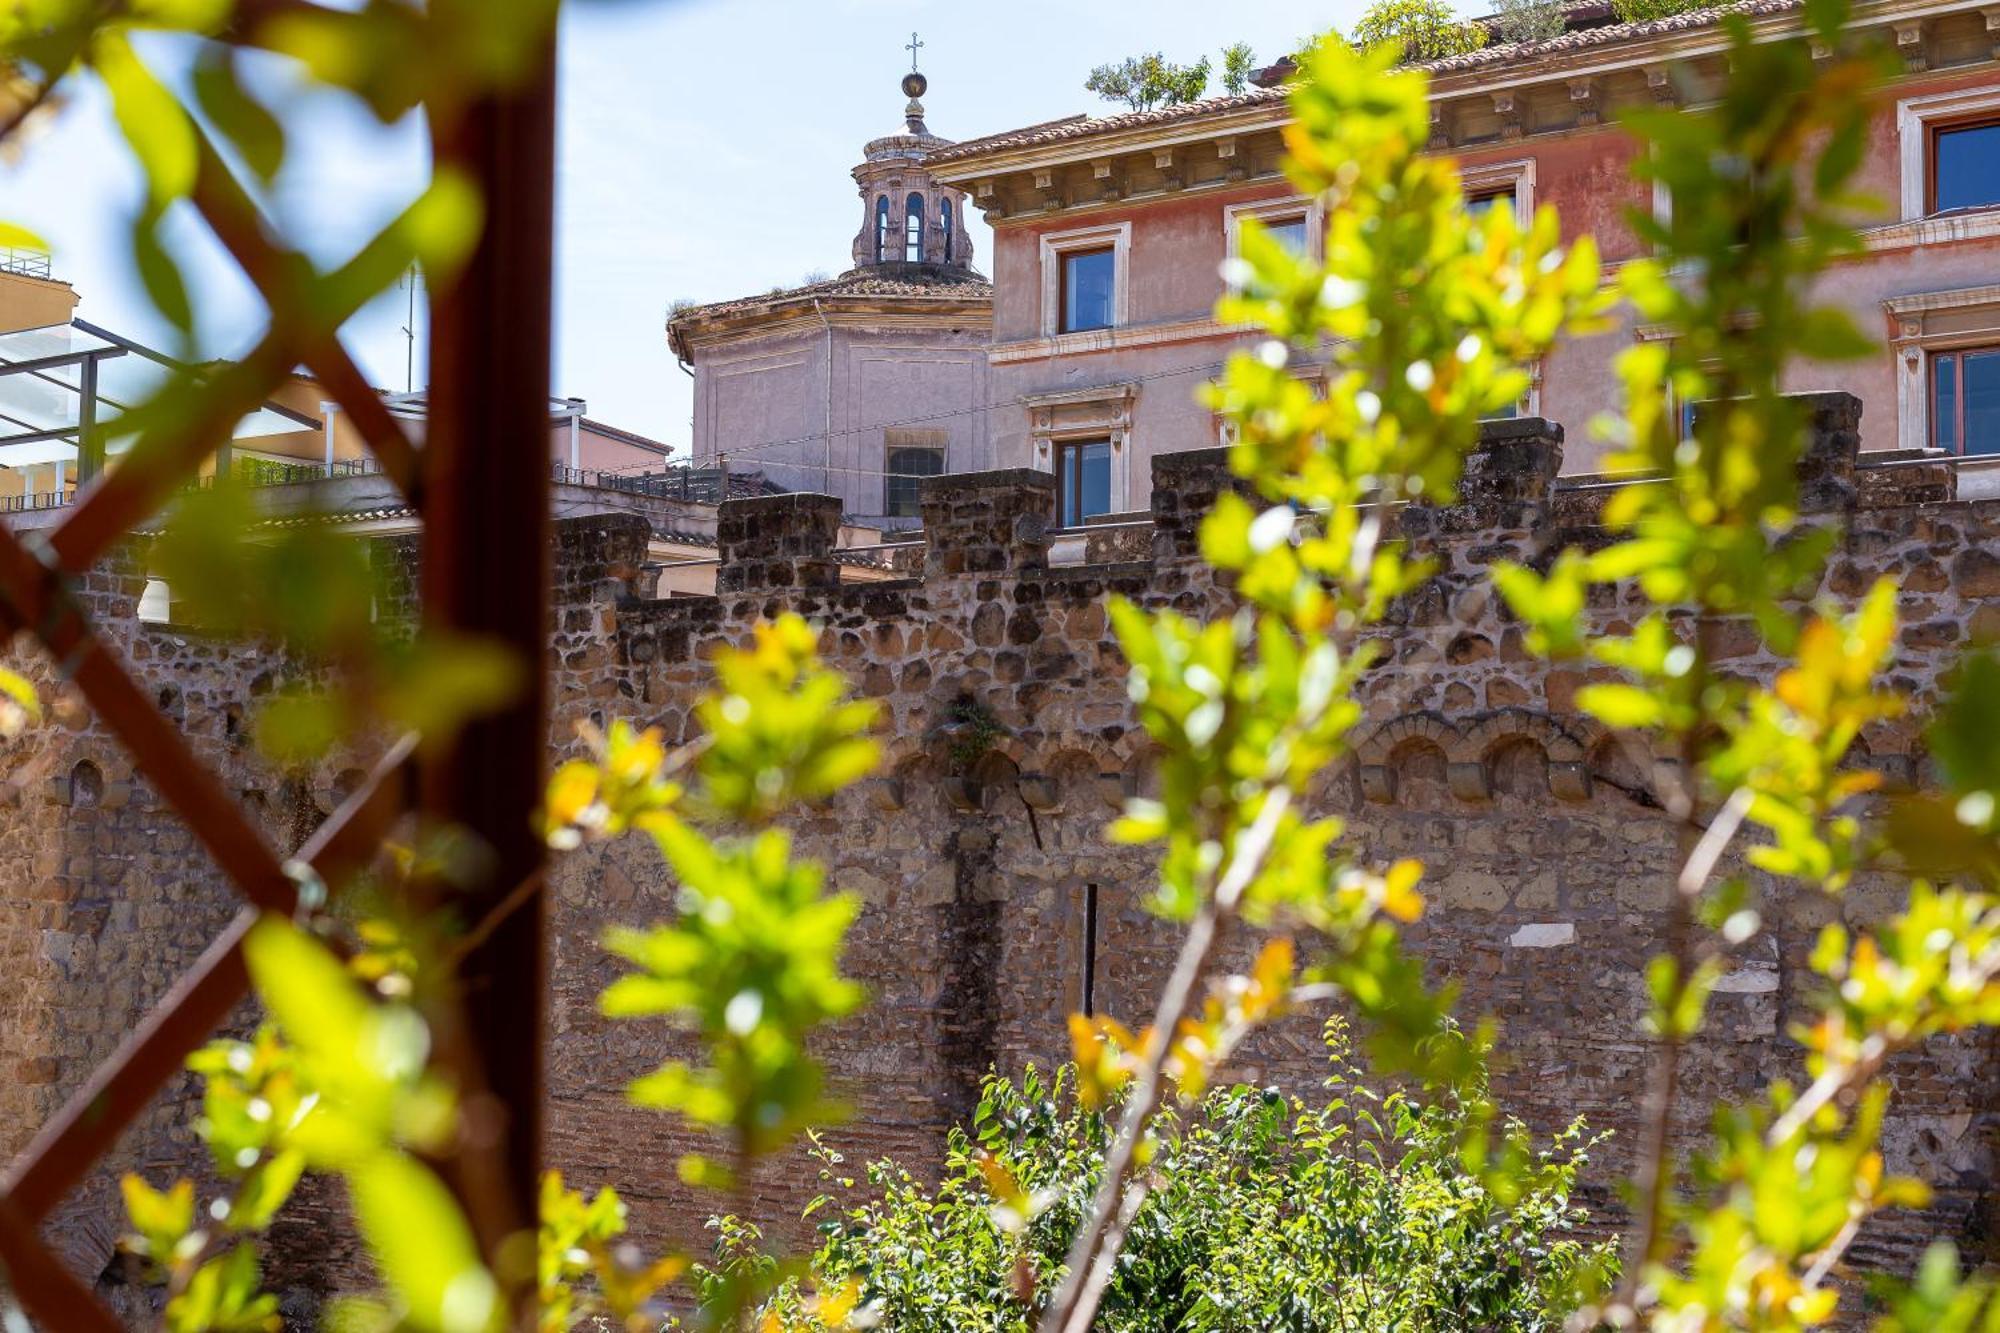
(86, 785)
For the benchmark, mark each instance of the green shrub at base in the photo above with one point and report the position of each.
(1267, 1213)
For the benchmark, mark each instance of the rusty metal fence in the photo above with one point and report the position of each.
(481, 483)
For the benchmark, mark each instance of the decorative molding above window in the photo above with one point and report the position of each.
(1101, 412)
(1926, 325)
(1917, 119)
(1117, 236)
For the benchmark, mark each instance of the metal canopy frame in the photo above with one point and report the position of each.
(85, 434)
(91, 429)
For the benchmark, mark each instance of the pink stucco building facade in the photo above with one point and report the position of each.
(1110, 234)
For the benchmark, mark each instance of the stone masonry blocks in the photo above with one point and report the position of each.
(777, 541)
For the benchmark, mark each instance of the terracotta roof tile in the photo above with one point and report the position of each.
(1086, 127)
(1609, 35)
(1081, 127)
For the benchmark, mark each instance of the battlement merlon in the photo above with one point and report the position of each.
(1000, 523)
(987, 522)
(777, 541)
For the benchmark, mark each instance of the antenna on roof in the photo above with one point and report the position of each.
(413, 279)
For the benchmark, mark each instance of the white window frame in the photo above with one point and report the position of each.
(1490, 177)
(1104, 412)
(1914, 118)
(1970, 318)
(1116, 235)
(1267, 210)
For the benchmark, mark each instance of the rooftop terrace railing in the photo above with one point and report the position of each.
(27, 263)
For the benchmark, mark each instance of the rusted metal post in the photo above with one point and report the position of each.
(485, 573)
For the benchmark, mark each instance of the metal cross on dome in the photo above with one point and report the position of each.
(913, 46)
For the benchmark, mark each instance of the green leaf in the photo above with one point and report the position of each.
(161, 274)
(242, 119)
(161, 1218)
(152, 120)
(307, 989)
(443, 682)
(264, 1191)
(1618, 705)
(1829, 333)
(225, 1296)
(1963, 738)
(423, 1246)
(298, 727)
(443, 225)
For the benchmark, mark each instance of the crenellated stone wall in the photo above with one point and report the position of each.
(978, 850)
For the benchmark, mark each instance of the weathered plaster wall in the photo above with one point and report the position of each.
(764, 400)
(1549, 861)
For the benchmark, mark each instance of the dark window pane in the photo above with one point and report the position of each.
(1480, 204)
(1094, 478)
(1083, 479)
(1086, 294)
(901, 488)
(1982, 402)
(1968, 167)
(1944, 403)
(1289, 232)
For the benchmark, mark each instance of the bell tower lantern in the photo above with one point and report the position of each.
(907, 219)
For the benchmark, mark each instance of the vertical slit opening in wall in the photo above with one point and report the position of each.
(1089, 949)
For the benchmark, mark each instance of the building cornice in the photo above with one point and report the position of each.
(1577, 66)
(1268, 115)
(1113, 340)
(878, 314)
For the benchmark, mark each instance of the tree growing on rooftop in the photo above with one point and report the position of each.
(1528, 20)
(1420, 29)
(1645, 11)
(1143, 82)
(1239, 62)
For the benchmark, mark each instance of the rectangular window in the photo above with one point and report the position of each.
(1484, 201)
(1289, 232)
(1965, 401)
(1083, 481)
(1088, 277)
(1297, 224)
(906, 463)
(1965, 166)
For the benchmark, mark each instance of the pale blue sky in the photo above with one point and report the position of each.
(704, 152)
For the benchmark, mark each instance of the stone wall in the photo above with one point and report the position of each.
(1549, 858)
